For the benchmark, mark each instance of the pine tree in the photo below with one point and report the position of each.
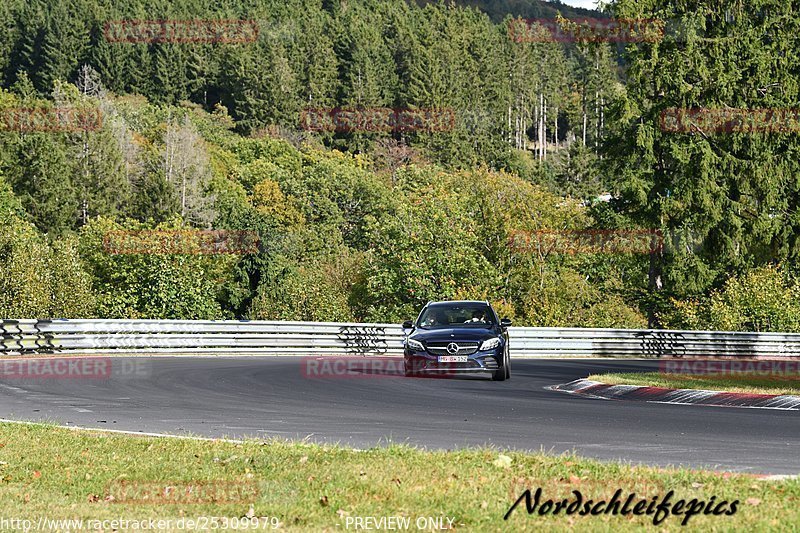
(65, 42)
(9, 11)
(40, 173)
(31, 23)
(260, 86)
(314, 58)
(726, 201)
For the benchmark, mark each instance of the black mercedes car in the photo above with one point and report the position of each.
(456, 337)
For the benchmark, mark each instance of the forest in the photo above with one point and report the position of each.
(359, 223)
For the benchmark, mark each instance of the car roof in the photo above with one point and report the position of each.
(458, 302)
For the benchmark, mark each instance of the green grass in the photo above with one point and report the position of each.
(60, 473)
(747, 383)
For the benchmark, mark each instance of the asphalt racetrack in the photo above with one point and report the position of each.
(262, 397)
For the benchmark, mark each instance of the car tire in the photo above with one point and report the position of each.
(502, 372)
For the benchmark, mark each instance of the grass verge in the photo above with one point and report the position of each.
(746, 383)
(58, 473)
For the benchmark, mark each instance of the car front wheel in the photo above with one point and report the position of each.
(503, 371)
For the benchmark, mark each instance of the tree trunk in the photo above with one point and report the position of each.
(555, 129)
(584, 127)
(596, 118)
(544, 130)
(510, 128)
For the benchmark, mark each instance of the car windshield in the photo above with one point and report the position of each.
(449, 316)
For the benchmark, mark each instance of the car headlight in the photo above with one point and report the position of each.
(415, 345)
(490, 344)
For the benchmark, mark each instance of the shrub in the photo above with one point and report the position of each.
(764, 299)
(38, 279)
(302, 293)
(153, 285)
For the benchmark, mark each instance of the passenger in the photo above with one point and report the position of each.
(477, 316)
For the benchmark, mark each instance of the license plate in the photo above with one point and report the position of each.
(453, 358)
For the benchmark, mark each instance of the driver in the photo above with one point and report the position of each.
(437, 318)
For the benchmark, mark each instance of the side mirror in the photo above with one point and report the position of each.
(505, 322)
(408, 325)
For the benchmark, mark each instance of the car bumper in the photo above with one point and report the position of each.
(423, 362)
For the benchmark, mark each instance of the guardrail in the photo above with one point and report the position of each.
(22, 337)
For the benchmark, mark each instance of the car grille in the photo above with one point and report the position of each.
(464, 348)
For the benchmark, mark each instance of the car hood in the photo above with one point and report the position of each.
(453, 334)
